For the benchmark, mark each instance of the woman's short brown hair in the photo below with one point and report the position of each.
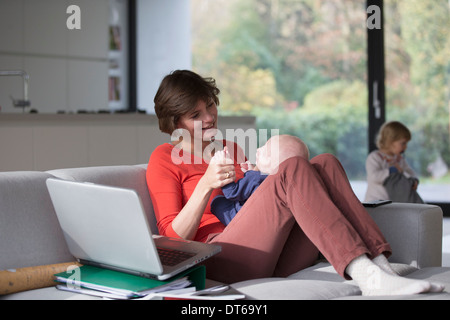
(179, 93)
(390, 132)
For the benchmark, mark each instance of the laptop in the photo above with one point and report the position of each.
(106, 227)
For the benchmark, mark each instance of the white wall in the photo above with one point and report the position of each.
(164, 44)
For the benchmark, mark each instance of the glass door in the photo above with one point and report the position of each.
(417, 53)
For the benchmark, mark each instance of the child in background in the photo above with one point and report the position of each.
(388, 174)
(268, 157)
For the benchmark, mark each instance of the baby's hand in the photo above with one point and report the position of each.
(246, 166)
(222, 156)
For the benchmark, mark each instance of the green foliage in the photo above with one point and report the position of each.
(300, 66)
(333, 120)
(419, 83)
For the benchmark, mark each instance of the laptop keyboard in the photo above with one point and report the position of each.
(171, 257)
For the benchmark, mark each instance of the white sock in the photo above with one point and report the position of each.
(384, 264)
(374, 281)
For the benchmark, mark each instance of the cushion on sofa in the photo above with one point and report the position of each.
(50, 293)
(439, 275)
(324, 271)
(30, 234)
(414, 232)
(434, 274)
(294, 289)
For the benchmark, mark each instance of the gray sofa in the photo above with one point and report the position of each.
(30, 236)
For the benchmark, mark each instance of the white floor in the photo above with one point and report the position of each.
(446, 243)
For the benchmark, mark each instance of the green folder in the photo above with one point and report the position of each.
(125, 284)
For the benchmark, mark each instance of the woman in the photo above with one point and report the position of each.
(302, 208)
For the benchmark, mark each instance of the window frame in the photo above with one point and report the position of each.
(376, 76)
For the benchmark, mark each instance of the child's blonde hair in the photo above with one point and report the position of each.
(390, 132)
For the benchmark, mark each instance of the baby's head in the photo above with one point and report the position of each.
(278, 149)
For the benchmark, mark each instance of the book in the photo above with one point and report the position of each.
(118, 284)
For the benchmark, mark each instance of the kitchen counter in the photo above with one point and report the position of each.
(49, 141)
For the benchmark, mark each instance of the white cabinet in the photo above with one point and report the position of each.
(91, 41)
(88, 83)
(68, 69)
(45, 30)
(11, 26)
(48, 82)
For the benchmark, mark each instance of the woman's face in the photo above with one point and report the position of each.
(200, 122)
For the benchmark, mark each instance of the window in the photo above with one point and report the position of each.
(299, 66)
(417, 55)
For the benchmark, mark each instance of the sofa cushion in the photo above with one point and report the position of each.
(50, 293)
(414, 232)
(294, 289)
(324, 271)
(322, 282)
(130, 177)
(30, 234)
(439, 275)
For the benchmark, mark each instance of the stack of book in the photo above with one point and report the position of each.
(112, 284)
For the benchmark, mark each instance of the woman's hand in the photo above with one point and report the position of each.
(220, 171)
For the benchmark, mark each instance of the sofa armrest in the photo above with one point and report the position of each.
(414, 232)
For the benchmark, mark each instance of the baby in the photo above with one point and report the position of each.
(268, 158)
